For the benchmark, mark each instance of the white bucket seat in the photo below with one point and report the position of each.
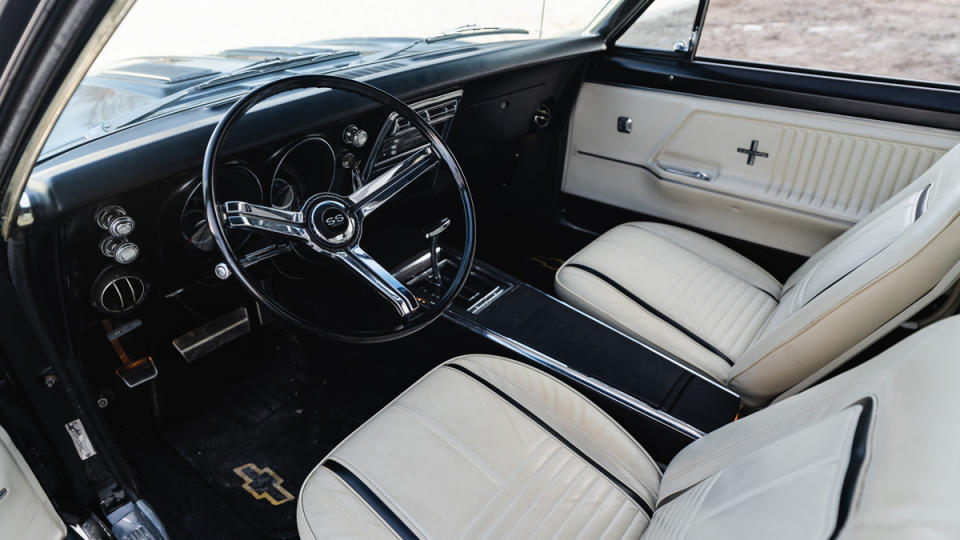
(484, 447)
(727, 317)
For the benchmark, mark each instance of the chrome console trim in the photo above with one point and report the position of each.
(558, 367)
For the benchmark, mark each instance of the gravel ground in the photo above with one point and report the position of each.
(910, 39)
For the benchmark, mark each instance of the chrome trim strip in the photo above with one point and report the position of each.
(696, 174)
(389, 125)
(487, 299)
(559, 367)
(704, 187)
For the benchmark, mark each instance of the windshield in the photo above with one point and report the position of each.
(166, 51)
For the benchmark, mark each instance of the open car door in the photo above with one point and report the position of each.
(40, 44)
(25, 509)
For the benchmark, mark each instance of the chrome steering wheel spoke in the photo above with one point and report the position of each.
(244, 215)
(379, 190)
(332, 225)
(383, 281)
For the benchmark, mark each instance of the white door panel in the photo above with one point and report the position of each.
(685, 161)
(25, 511)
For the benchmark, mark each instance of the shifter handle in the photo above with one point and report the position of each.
(433, 231)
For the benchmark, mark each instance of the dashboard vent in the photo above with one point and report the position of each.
(166, 73)
(118, 293)
(370, 70)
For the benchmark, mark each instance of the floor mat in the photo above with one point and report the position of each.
(531, 252)
(256, 434)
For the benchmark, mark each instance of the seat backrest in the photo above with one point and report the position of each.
(868, 277)
(871, 453)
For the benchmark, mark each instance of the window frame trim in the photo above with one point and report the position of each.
(692, 57)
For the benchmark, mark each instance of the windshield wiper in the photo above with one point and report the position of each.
(467, 30)
(275, 63)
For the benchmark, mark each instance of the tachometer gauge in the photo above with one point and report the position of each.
(283, 195)
(236, 183)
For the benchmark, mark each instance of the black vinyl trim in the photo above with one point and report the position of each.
(839, 279)
(644, 505)
(858, 455)
(371, 498)
(666, 500)
(656, 312)
(905, 102)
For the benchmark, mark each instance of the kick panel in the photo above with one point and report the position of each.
(780, 177)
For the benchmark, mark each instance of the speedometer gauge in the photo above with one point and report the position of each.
(308, 166)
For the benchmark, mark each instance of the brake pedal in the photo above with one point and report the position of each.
(133, 373)
(137, 372)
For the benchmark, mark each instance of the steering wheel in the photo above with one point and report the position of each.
(332, 225)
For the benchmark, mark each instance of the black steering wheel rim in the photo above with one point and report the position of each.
(422, 316)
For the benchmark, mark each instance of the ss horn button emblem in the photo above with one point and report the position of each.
(335, 220)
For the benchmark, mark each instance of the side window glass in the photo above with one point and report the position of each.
(904, 39)
(666, 25)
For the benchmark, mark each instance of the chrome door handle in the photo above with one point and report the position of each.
(698, 174)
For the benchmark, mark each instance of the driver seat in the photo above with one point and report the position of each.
(488, 447)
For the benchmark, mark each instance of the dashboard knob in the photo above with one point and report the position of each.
(121, 226)
(355, 136)
(119, 249)
(115, 220)
(222, 271)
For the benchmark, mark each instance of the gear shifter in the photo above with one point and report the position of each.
(432, 233)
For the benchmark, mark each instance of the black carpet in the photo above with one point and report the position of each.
(256, 432)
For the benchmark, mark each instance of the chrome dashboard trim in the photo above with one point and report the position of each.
(389, 128)
(551, 364)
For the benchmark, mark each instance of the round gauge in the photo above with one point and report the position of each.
(282, 194)
(236, 183)
(305, 168)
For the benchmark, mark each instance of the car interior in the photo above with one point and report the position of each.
(603, 292)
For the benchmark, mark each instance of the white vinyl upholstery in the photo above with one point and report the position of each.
(722, 314)
(871, 453)
(690, 280)
(454, 458)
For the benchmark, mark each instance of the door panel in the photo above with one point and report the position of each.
(686, 160)
(25, 511)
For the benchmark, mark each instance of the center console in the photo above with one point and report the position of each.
(664, 403)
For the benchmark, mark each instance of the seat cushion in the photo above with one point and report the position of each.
(887, 429)
(483, 446)
(681, 291)
(487, 447)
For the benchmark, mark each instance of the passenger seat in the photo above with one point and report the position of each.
(727, 317)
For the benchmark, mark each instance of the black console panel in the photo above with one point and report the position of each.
(664, 404)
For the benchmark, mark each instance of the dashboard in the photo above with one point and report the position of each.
(129, 249)
(488, 102)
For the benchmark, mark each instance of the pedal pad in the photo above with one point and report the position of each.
(213, 335)
(137, 372)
